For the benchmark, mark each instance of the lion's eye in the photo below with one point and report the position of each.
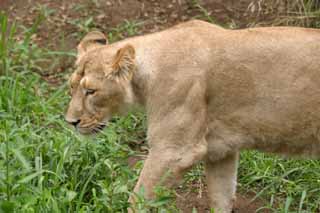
(89, 92)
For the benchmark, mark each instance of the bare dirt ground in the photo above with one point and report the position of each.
(68, 20)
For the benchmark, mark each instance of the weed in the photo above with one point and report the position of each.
(205, 14)
(289, 184)
(305, 13)
(126, 29)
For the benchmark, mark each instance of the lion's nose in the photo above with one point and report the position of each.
(73, 122)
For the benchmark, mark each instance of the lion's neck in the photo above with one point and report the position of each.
(144, 74)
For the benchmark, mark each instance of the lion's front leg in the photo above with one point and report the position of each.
(222, 181)
(177, 127)
(166, 167)
(156, 170)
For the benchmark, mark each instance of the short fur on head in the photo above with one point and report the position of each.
(100, 86)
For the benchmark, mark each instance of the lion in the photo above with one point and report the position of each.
(208, 93)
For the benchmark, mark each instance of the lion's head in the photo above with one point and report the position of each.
(101, 84)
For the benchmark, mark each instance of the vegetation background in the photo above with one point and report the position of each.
(46, 167)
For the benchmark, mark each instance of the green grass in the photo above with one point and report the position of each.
(286, 185)
(46, 167)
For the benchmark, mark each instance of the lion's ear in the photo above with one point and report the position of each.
(92, 40)
(123, 65)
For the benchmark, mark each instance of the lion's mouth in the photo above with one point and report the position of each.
(94, 130)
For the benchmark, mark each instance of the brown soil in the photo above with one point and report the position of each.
(61, 31)
(194, 200)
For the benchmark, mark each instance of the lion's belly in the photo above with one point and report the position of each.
(292, 130)
(291, 135)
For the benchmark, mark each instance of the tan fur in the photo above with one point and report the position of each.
(208, 93)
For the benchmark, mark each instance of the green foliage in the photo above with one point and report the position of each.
(162, 203)
(6, 35)
(204, 14)
(126, 29)
(290, 185)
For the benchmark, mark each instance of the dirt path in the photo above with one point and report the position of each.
(68, 20)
